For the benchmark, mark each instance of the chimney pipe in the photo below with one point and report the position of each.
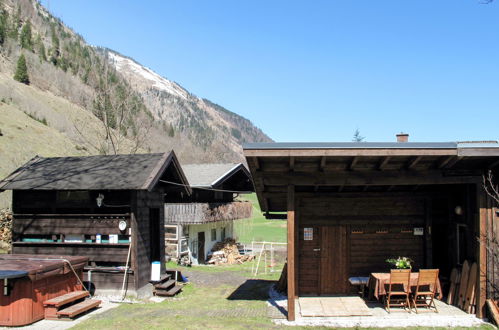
(402, 137)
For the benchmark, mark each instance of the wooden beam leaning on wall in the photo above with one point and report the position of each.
(481, 226)
(291, 253)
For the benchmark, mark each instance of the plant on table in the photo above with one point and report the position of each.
(401, 262)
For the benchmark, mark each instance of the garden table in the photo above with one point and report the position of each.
(378, 285)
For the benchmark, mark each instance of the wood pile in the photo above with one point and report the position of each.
(462, 287)
(5, 230)
(227, 252)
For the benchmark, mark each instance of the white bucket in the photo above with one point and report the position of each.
(155, 271)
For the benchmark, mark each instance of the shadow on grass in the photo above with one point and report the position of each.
(252, 290)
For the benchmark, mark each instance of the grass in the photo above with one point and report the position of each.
(218, 306)
(258, 228)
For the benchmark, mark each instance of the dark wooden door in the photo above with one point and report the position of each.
(154, 232)
(309, 259)
(322, 260)
(334, 260)
(201, 239)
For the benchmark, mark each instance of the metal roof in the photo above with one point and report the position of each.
(208, 175)
(113, 172)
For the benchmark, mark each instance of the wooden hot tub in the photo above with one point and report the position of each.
(27, 280)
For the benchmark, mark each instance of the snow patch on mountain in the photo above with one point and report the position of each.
(125, 64)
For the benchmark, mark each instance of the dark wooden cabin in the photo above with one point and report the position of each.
(103, 207)
(205, 217)
(350, 206)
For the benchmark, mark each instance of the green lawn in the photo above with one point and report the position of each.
(258, 228)
(214, 305)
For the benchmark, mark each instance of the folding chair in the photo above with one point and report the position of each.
(424, 296)
(400, 288)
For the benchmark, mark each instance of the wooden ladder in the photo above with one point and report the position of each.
(69, 305)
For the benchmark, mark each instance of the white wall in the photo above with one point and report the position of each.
(193, 231)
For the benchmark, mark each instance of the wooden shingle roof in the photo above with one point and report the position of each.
(107, 172)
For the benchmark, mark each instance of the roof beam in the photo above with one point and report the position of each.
(291, 163)
(453, 162)
(322, 166)
(494, 164)
(383, 163)
(361, 178)
(446, 161)
(353, 163)
(256, 163)
(414, 162)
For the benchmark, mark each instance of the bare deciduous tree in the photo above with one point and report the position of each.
(492, 238)
(123, 116)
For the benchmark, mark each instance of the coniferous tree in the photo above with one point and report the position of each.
(40, 48)
(21, 74)
(25, 37)
(15, 23)
(357, 137)
(54, 52)
(3, 25)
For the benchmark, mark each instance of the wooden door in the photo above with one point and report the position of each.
(322, 260)
(334, 260)
(309, 257)
(201, 257)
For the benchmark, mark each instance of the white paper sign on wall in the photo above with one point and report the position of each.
(418, 231)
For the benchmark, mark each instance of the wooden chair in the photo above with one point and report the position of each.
(424, 296)
(400, 287)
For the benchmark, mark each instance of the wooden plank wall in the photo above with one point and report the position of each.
(378, 227)
(141, 260)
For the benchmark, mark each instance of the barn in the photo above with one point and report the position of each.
(350, 206)
(109, 208)
(205, 217)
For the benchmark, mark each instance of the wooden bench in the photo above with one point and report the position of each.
(68, 305)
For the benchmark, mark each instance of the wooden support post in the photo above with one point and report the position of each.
(291, 253)
(428, 235)
(481, 286)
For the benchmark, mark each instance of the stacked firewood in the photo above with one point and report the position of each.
(5, 230)
(227, 252)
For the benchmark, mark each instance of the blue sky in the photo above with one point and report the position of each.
(318, 70)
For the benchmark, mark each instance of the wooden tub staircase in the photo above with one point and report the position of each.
(69, 305)
(167, 286)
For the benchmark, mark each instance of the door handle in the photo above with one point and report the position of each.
(317, 249)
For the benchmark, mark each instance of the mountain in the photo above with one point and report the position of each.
(206, 124)
(83, 100)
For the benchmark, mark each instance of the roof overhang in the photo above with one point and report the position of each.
(320, 166)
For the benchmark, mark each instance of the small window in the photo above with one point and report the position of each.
(223, 234)
(213, 234)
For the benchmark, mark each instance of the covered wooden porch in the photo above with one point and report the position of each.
(350, 206)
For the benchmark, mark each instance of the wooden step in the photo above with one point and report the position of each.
(165, 286)
(77, 309)
(164, 278)
(66, 298)
(170, 293)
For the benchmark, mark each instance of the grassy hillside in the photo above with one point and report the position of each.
(23, 137)
(258, 228)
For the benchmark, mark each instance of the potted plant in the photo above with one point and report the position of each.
(401, 262)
